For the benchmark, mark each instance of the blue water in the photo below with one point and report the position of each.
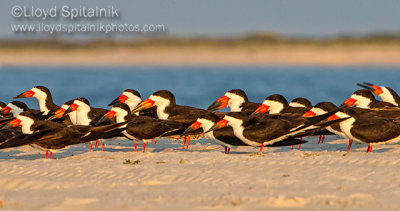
(193, 86)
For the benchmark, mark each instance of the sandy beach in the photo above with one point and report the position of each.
(197, 56)
(165, 177)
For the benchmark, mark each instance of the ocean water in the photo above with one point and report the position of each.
(197, 87)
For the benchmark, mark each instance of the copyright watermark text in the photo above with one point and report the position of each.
(81, 19)
(86, 28)
(64, 11)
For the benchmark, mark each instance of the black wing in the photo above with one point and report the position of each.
(379, 130)
(250, 107)
(25, 139)
(227, 136)
(266, 130)
(186, 114)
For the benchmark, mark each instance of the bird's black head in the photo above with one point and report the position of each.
(29, 114)
(123, 106)
(128, 93)
(210, 116)
(365, 93)
(43, 89)
(232, 118)
(20, 105)
(84, 100)
(69, 102)
(278, 98)
(134, 92)
(302, 101)
(239, 92)
(165, 94)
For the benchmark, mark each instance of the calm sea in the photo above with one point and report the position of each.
(193, 86)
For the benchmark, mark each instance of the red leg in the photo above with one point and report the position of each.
(292, 147)
(144, 146)
(323, 139)
(155, 141)
(136, 146)
(299, 146)
(47, 154)
(369, 148)
(226, 149)
(184, 142)
(91, 146)
(188, 142)
(51, 154)
(97, 143)
(102, 147)
(229, 150)
(319, 139)
(262, 147)
(350, 143)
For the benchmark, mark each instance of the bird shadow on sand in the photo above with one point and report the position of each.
(128, 147)
(125, 149)
(22, 155)
(382, 150)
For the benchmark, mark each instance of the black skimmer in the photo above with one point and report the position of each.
(2, 105)
(130, 97)
(13, 109)
(17, 107)
(60, 113)
(237, 100)
(364, 98)
(320, 108)
(323, 108)
(43, 95)
(256, 131)
(369, 129)
(385, 93)
(56, 135)
(133, 98)
(143, 128)
(6, 117)
(301, 102)
(277, 104)
(85, 114)
(168, 109)
(224, 136)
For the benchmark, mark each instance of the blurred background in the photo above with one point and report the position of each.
(198, 49)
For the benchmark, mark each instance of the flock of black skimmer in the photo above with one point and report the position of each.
(273, 123)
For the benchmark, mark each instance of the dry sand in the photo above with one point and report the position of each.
(318, 177)
(274, 56)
